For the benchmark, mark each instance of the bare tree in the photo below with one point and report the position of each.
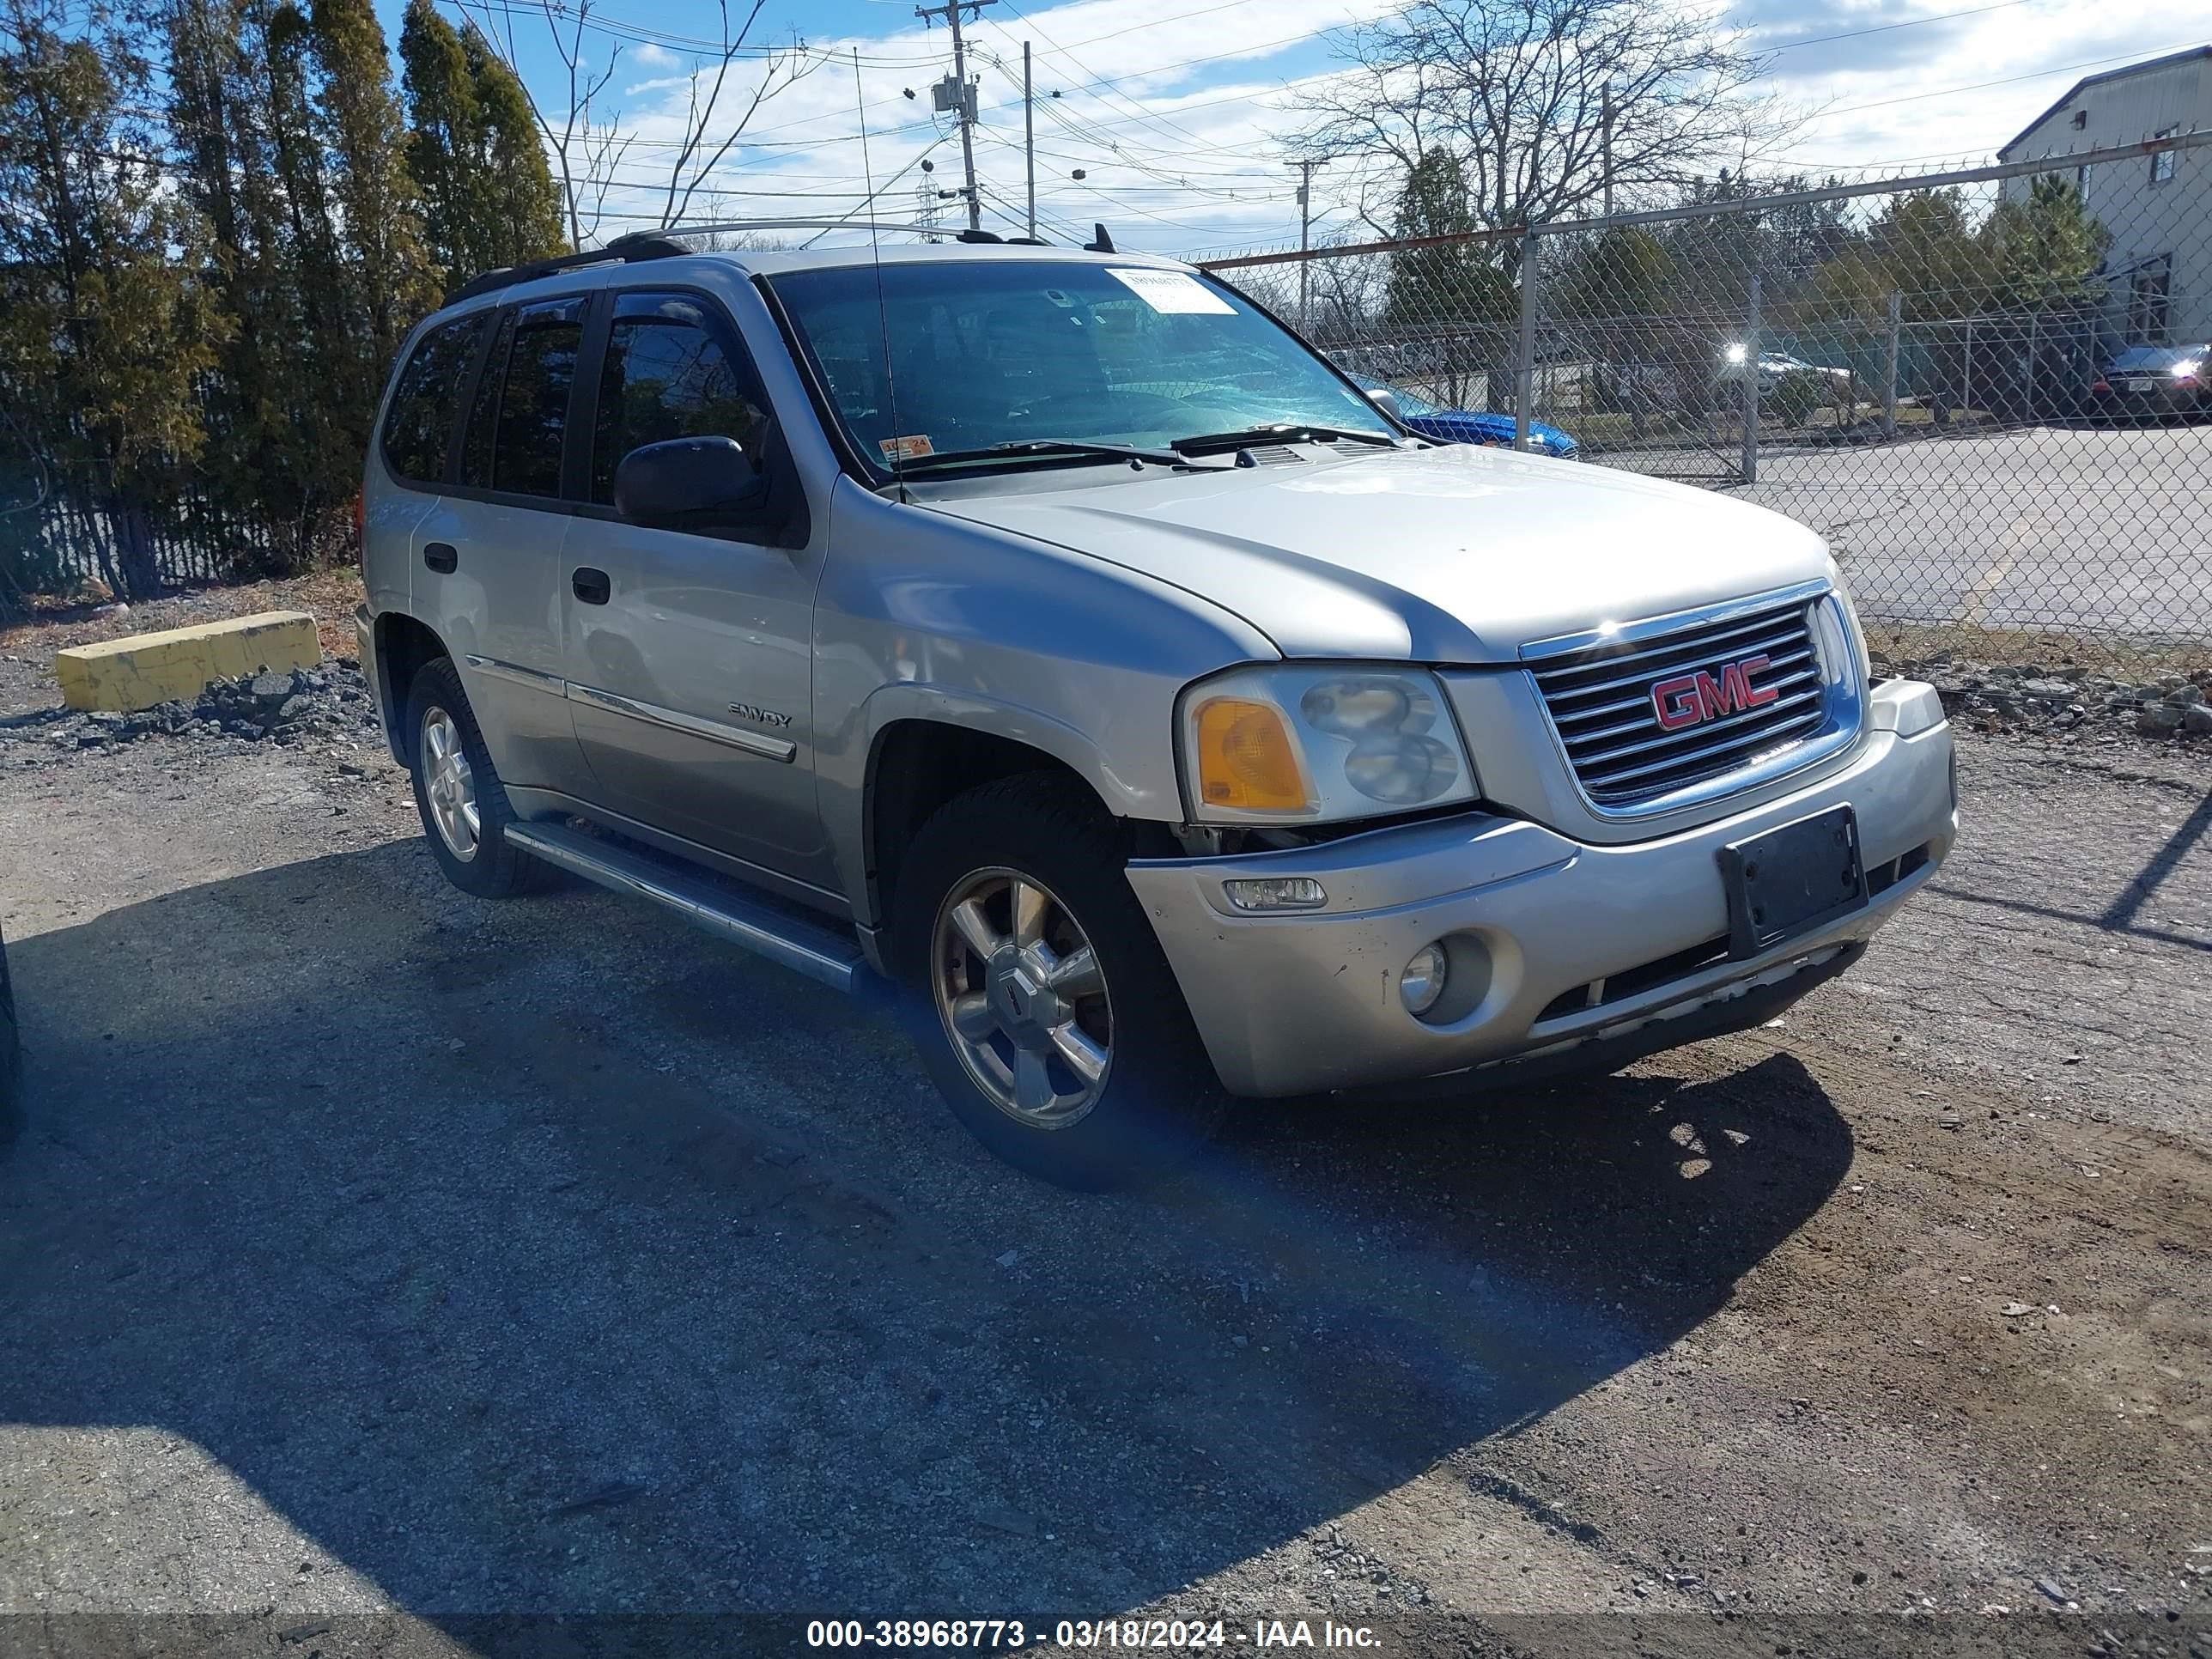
(587, 141)
(695, 161)
(1546, 103)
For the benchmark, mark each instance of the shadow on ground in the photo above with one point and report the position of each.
(539, 1257)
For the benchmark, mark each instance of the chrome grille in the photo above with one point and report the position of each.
(1601, 702)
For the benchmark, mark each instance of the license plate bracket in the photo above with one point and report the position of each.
(1791, 880)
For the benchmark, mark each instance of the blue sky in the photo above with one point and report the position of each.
(1176, 111)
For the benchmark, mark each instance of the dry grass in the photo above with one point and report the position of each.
(327, 595)
(2136, 660)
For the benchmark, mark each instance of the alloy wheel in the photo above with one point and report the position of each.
(1021, 997)
(450, 784)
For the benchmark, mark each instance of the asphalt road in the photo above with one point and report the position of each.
(2072, 529)
(375, 1260)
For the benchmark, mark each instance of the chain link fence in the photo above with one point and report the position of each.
(1991, 389)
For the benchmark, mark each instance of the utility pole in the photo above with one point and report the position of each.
(1605, 136)
(1029, 136)
(1305, 229)
(963, 94)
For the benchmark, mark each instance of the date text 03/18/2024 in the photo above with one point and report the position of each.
(991, 1635)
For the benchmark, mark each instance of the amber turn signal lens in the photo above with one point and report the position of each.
(1246, 759)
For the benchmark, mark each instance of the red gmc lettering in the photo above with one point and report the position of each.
(1676, 703)
(1688, 699)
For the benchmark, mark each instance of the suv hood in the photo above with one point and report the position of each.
(1455, 554)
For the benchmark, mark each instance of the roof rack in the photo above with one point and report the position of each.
(640, 245)
(666, 243)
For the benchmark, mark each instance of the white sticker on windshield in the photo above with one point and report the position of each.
(1171, 290)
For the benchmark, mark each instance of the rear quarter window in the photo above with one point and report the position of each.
(420, 424)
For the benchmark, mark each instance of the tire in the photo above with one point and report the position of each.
(439, 721)
(1156, 1099)
(11, 1059)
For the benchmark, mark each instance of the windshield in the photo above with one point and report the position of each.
(989, 352)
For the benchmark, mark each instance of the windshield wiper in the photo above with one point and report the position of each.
(1290, 432)
(1043, 449)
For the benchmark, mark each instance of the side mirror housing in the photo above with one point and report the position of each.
(699, 483)
(1386, 400)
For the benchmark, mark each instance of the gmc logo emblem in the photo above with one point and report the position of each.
(1692, 698)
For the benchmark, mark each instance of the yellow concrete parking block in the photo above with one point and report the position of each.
(140, 670)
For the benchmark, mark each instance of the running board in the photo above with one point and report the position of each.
(814, 949)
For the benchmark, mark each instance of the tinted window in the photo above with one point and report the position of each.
(669, 375)
(483, 414)
(533, 399)
(420, 424)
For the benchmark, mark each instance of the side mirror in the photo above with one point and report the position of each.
(1386, 400)
(686, 483)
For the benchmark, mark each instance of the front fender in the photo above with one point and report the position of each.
(924, 615)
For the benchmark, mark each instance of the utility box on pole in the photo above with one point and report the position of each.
(955, 95)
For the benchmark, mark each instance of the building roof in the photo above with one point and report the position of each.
(2098, 80)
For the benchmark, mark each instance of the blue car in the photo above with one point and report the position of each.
(1468, 426)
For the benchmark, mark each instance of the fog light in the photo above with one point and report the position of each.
(1422, 979)
(1277, 893)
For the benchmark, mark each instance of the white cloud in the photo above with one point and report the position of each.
(1182, 144)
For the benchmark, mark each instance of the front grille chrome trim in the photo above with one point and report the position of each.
(1819, 714)
(1674, 622)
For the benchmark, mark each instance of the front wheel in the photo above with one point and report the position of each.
(1037, 995)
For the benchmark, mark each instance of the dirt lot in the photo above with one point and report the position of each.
(375, 1260)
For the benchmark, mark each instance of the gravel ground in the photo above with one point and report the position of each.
(376, 1259)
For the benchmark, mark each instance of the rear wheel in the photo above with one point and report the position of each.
(1037, 995)
(458, 792)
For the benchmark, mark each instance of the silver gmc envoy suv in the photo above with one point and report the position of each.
(1057, 634)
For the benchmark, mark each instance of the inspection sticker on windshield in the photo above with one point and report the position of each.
(1171, 290)
(909, 448)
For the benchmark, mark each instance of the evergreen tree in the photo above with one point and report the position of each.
(1446, 305)
(1432, 286)
(103, 330)
(489, 199)
(218, 129)
(2045, 251)
(380, 220)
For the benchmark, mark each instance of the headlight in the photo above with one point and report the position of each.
(1293, 743)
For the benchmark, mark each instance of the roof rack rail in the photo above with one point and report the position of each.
(639, 245)
(667, 243)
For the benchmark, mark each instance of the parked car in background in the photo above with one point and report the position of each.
(11, 1107)
(1470, 426)
(2148, 382)
(1774, 368)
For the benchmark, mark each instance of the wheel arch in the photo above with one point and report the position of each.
(924, 753)
(403, 644)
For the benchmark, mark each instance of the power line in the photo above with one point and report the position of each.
(2009, 80)
(1884, 29)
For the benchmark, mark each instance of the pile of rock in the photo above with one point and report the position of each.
(278, 707)
(328, 702)
(2069, 701)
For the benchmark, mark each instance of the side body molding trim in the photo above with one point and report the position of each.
(753, 742)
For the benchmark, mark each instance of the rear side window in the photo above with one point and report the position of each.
(420, 421)
(671, 372)
(521, 420)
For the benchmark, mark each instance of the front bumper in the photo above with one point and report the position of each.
(1581, 944)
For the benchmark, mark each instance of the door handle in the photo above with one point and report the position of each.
(591, 585)
(441, 556)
